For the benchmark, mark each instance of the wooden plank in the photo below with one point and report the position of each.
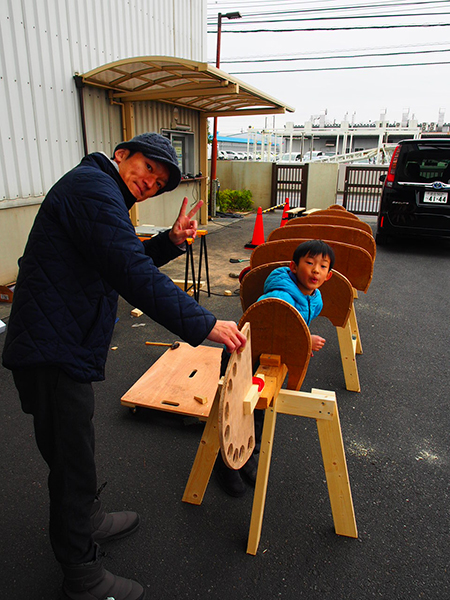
(304, 404)
(353, 262)
(174, 380)
(251, 399)
(355, 329)
(325, 231)
(262, 479)
(278, 328)
(334, 219)
(336, 472)
(347, 347)
(205, 458)
(274, 378)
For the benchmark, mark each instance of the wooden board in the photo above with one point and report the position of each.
(175, 378)
(351, 261)
(236, 429)
(337, 292)
(278, 328)
(324, 231)
(333, 219)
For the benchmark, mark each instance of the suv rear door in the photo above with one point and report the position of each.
(416, 194)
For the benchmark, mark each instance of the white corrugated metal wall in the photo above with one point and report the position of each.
(43, 43)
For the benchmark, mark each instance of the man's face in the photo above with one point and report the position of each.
(143, 176)
(311, 272)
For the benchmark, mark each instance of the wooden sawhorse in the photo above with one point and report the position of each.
(184, 381)
(269, 319)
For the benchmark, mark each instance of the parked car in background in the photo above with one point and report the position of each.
(241, 155)
(221, 155)
(290, 157)
(310, 156)
(231, 155)
(415, 200)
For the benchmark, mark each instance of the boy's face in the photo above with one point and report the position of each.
(311, 272)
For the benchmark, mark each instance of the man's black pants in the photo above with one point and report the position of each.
(63, 410)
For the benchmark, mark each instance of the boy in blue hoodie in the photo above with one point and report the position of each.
(299, 283)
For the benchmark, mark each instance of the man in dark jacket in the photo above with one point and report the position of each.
(81, 253)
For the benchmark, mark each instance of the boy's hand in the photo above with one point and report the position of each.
(317, 343)
(226, 332)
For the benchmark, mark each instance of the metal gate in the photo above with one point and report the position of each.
(362, 189)
(289, 181)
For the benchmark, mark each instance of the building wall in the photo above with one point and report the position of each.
(246, 175)
(257, 177)
(322, 184)
(43, 43)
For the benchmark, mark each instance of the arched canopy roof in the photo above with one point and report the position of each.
(182, 82)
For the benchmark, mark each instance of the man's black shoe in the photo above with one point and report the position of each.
(229, 479)
(250, 470)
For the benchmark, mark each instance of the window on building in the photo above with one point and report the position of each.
(183, 143)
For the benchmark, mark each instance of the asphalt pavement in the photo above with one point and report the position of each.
(396, 438)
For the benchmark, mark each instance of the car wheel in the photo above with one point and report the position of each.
(380, 238)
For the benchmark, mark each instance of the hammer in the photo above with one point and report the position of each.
(173, 345)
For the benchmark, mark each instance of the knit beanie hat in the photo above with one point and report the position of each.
(159, 148)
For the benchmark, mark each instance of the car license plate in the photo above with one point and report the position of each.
(435, 197)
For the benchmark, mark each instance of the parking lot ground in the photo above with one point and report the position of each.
(396, 437)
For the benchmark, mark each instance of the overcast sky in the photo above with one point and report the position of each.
(361, 94)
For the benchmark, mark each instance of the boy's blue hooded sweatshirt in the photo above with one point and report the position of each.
(282, 284)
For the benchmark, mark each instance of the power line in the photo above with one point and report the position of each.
(332, 9)
(328, 57)
(357, 27)
(348, 17)
(425, 64)
(264, 19)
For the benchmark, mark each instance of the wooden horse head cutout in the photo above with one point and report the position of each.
(278, 328)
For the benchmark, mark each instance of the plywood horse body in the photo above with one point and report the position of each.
(317, 231)
(333, 219)
(337, 296)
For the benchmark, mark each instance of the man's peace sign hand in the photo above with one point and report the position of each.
(184, 227)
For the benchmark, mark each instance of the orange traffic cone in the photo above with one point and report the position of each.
(258, 231)
(284, 217)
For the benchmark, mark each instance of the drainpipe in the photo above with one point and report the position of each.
(113, 102)
(79, 83)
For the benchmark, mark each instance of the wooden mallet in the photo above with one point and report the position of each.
(173, 345)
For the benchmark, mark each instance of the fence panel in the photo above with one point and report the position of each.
(362, 189)
(289, 181)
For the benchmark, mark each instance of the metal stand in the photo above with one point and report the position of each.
(201, 233)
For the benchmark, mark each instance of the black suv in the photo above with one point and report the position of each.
(415, 198)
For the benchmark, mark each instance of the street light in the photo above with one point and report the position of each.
(220, 16)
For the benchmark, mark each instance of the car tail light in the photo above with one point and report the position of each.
(381, 222)
(392, 167)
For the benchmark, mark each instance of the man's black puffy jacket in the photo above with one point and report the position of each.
(81, 253)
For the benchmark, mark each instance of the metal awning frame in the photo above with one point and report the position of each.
(185, 83)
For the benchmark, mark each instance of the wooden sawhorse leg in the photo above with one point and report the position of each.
(205, 458)
(355, 329)
(321, 406)
(262, 478)
(347, 346)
